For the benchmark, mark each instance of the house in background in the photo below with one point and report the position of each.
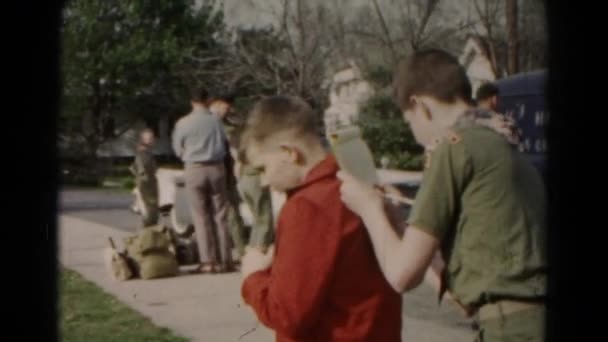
(347, 90)
(476, 59)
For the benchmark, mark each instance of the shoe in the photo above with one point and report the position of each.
(226, 268)
(204, 269)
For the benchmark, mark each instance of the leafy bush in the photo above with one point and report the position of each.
(128, 183)
(387, 134)
(80, 177)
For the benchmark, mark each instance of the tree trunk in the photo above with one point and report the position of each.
(417, 39)
(387, 35)
(512, 37)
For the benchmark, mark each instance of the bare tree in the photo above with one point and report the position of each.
(403, 26)
(288, 57)
(516, 37)
(417, 30)
(532, 47)
(512, 36)
(304, 24)
(387, 35)
(488, 12)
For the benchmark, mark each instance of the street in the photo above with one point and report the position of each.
(110, 208)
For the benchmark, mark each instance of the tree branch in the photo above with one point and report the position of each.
(418, 37)
(386, 31)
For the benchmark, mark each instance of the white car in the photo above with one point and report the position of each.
(172, 196)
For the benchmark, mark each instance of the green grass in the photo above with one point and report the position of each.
(89, 314)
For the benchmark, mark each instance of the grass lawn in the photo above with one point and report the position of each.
(89, 314)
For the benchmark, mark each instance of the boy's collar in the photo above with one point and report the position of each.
(200, 109)
(325, 168)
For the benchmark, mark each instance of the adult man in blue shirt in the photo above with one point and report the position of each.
(199, 140)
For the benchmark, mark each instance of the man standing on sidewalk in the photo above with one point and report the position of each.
(199, 140)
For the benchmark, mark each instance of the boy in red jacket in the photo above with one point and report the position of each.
(322, 281)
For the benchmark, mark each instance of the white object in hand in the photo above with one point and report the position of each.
(352, 154)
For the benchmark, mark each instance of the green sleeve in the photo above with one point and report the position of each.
(437, 202)
(140, 163)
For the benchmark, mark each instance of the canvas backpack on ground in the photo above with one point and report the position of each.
(153, 253)
(117, 263)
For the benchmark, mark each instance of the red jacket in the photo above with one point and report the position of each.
(325, 283)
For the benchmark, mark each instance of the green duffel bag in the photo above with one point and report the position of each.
(158, 264)
(152, 251)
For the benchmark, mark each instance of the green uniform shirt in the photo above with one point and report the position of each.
(144, 167)
(486, 204)
(228, 127)
(246, 169)
(249, 170)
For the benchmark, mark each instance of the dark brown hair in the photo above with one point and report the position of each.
(199, 94)
(433, 73)
(486, 91)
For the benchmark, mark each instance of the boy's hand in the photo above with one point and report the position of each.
(237, 169)
(254, 260)
(358, 197)
(468, 312)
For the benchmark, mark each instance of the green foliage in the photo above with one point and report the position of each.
(125, 60)
(380, 76)
(127, 183)
(388, 136)
(76, 172)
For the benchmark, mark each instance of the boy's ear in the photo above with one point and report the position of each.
(423, 102)
(294, 154)
(495, 101)
(413, 101)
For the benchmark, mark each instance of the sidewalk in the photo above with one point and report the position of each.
(200, 307)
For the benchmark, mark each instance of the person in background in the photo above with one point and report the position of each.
(199, 140)
(146, 185)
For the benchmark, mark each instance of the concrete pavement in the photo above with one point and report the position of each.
(202, 307)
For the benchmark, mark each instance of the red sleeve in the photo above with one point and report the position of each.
(288, 297)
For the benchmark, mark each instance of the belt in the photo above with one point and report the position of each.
(505, 307)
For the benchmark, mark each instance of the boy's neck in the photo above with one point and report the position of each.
(444, 117)
(315, 154)
(451, 113)
(198, 105)
(143, 146)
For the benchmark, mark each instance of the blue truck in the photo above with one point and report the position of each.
(522, 97)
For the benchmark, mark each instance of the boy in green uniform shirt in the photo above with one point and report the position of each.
(257, 198)
(244, 182)
(481, 204)
(144, 169)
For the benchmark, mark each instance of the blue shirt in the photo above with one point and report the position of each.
(199, 137)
